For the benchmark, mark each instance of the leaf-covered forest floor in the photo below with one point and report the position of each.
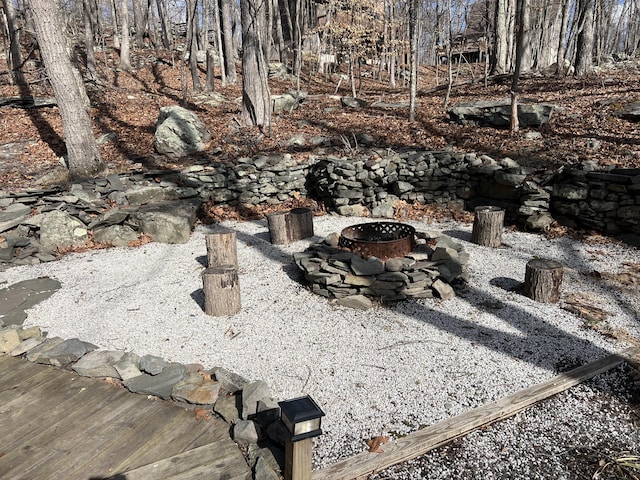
(126, 104)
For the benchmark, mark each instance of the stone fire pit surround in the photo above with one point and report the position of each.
(431, 269)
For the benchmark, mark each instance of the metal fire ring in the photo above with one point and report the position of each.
(382, 240)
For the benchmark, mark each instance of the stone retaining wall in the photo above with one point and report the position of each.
(607, 201)
(371, 183)
(163, 204)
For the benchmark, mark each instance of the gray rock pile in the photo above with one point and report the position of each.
(435, 264)
(247, 406)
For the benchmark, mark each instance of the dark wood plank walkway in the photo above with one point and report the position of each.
(57, 425)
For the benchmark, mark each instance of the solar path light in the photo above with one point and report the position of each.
(301, 416)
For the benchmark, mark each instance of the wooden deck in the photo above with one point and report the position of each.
(55, 424)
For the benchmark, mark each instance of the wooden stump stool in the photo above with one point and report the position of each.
(278, 228)
(300, 224)
(221, 249)
(487, 226)
(221, 290)
(542, 280)
(291, 226)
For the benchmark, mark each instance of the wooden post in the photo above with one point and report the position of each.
(297, 459)
(300, 224)
(221, 249)
(221, 291)
(291, 226)
(487, 226)
(543, 279)
(278, 228)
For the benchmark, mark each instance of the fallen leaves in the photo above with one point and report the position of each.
(202, 414)
(127, 104)
(375, 443)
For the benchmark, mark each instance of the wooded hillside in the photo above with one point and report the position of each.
(192, 54)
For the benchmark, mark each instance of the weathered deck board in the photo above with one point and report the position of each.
(57, 399)
(20, 371)
(194, 464)
(420, 442)
(55, 424)
(57, 445)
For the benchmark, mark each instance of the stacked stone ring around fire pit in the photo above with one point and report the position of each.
(386, 261)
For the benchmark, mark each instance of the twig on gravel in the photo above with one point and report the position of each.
(308, 377)
(373, 366)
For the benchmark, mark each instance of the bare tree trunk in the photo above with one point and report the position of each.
(562, 46)
(277, 23)
(450, 57)
(165, 30)
(15, 57)
(290, 27)
(114, 24)
(500, 65)
(140, 21)
(413, 57)
(525, 46)
(352, 75)
(218, 32)
(83, 156)
(297, 40)
(522, 29)
(125, 55)
(392, 40)
(229, 53)
(210, 82)
(88, 12)
(256, 99)
(192, 47)
(584, 42)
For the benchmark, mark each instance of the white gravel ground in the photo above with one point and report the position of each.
(388, 370)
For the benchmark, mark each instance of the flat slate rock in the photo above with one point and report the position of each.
(28, 102)
(64, 353)
(631, 112)
(160, 385)
(98, 364)
(21, 296)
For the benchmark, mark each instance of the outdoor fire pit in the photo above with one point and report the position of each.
(384, 261)
(382, 240)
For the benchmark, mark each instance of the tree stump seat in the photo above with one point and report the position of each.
(487, 226)
(543, 279)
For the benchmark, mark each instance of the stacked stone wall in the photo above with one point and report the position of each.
(118, 208)
(604, 200)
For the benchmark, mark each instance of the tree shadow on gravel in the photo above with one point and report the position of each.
(536, 341)
(198, 297)
(604, 280)
(459, 234)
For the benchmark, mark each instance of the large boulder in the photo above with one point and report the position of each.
(61, 230)
(287, 101)
(179, 133)
(630, 111)
(489, 113)
(167, 222)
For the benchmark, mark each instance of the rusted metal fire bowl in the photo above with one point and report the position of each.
(383, 240)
